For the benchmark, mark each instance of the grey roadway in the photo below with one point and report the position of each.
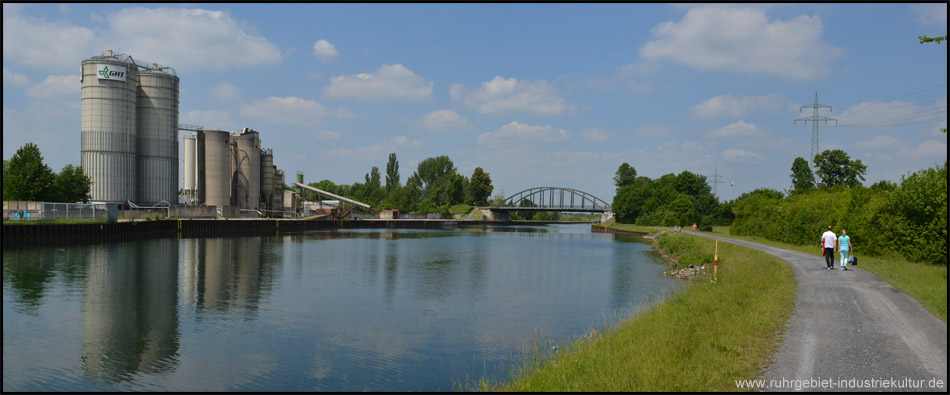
(853, 325)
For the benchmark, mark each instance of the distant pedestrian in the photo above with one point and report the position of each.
(828, 240)
(844, 248)
(694, 227)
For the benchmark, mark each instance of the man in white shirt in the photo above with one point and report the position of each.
(828, 240)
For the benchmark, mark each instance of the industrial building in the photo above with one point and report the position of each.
(232, 173)
(129, 130)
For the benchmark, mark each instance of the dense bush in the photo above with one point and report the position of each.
(684, 247)
(909, 219)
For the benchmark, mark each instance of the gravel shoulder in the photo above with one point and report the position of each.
(855, 331)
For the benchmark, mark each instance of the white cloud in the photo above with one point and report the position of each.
(632, 76)
(291, 110)
(370, 153)
(739, 129)
(879, 143)
(515, 132)
(403, 141)
(743, 39)
(594, 135)
(445, 121)
(227, 92)
(176, 37)
(500, 96)
(388, 83)
(931, 148)
(9, 77)
(727, 106)
(55, 86)
(49, 45)
(738, 155)
(186, 38)
(930, 14)
(328, 135)
(324, 51)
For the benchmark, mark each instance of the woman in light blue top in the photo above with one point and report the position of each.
(844, 247)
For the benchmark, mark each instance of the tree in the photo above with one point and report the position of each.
(392, 173)
(28, 178)
(71, 185)
(835, 167)
(479, 187)
(925, 39)
(802, 177)
(691, 184)
(625, 175)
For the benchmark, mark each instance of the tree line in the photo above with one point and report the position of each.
(26, 177)
(434, 187)
(672, 199)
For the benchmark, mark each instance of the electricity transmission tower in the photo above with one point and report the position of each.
(716, 181)
(814, 123)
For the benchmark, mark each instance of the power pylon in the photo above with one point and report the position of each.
(814, 124)
(716, 181)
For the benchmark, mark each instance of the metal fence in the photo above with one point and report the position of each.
(36, 211)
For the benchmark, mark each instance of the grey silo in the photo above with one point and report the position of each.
(278, 197)
(246, 164)
(267, 178)
(109, 136)
(214, 161)
(157, 169)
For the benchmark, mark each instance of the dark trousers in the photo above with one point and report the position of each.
(830, 257)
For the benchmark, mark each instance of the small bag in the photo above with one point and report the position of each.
(853, 260)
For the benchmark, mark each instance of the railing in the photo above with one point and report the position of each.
(37, 211)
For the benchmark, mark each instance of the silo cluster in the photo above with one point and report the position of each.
(129, 129)
(232, 172)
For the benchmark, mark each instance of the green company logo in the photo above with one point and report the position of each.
(104, 72)
(107, 74)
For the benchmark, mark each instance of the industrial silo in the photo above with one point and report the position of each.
(109, 138)
(157, 169)
(246, 166)
(277, 201)
(267, 178)
(215, 181)
(190, 159)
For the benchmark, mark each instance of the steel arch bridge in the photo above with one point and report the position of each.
(554, 199)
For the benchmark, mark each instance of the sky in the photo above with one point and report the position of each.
(535, 94)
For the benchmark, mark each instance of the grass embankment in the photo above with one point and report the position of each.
(699, 339)
(927, 283)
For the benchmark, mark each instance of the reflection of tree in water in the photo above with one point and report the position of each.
(130, 309)
(29, 271)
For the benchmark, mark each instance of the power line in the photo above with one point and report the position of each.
(886, 74)
(814, 123)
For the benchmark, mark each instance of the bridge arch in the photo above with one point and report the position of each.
(555, 199)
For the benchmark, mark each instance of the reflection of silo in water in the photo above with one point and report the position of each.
(109, 312)
(157, 304)
(246, 275)
(217, 273)
(190, 274)
(157, 119)
(109, 96)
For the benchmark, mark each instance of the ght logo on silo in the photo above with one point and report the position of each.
(114, 73)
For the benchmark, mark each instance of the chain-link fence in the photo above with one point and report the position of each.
(36, 211)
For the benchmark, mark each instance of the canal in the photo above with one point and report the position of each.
(347, 310)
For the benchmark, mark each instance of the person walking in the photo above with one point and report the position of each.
(844, 248)
(694, 227)
(827, 244)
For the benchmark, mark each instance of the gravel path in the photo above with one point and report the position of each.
(851, 328)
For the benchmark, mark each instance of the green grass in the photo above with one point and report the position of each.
(56, 221)
(460, 209)
(702, 338)
(924, 282)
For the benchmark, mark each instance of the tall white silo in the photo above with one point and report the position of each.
(246, 168)
(109, 137)
(157, 168)
(190, 168)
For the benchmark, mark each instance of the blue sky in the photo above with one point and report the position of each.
(535, 94)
